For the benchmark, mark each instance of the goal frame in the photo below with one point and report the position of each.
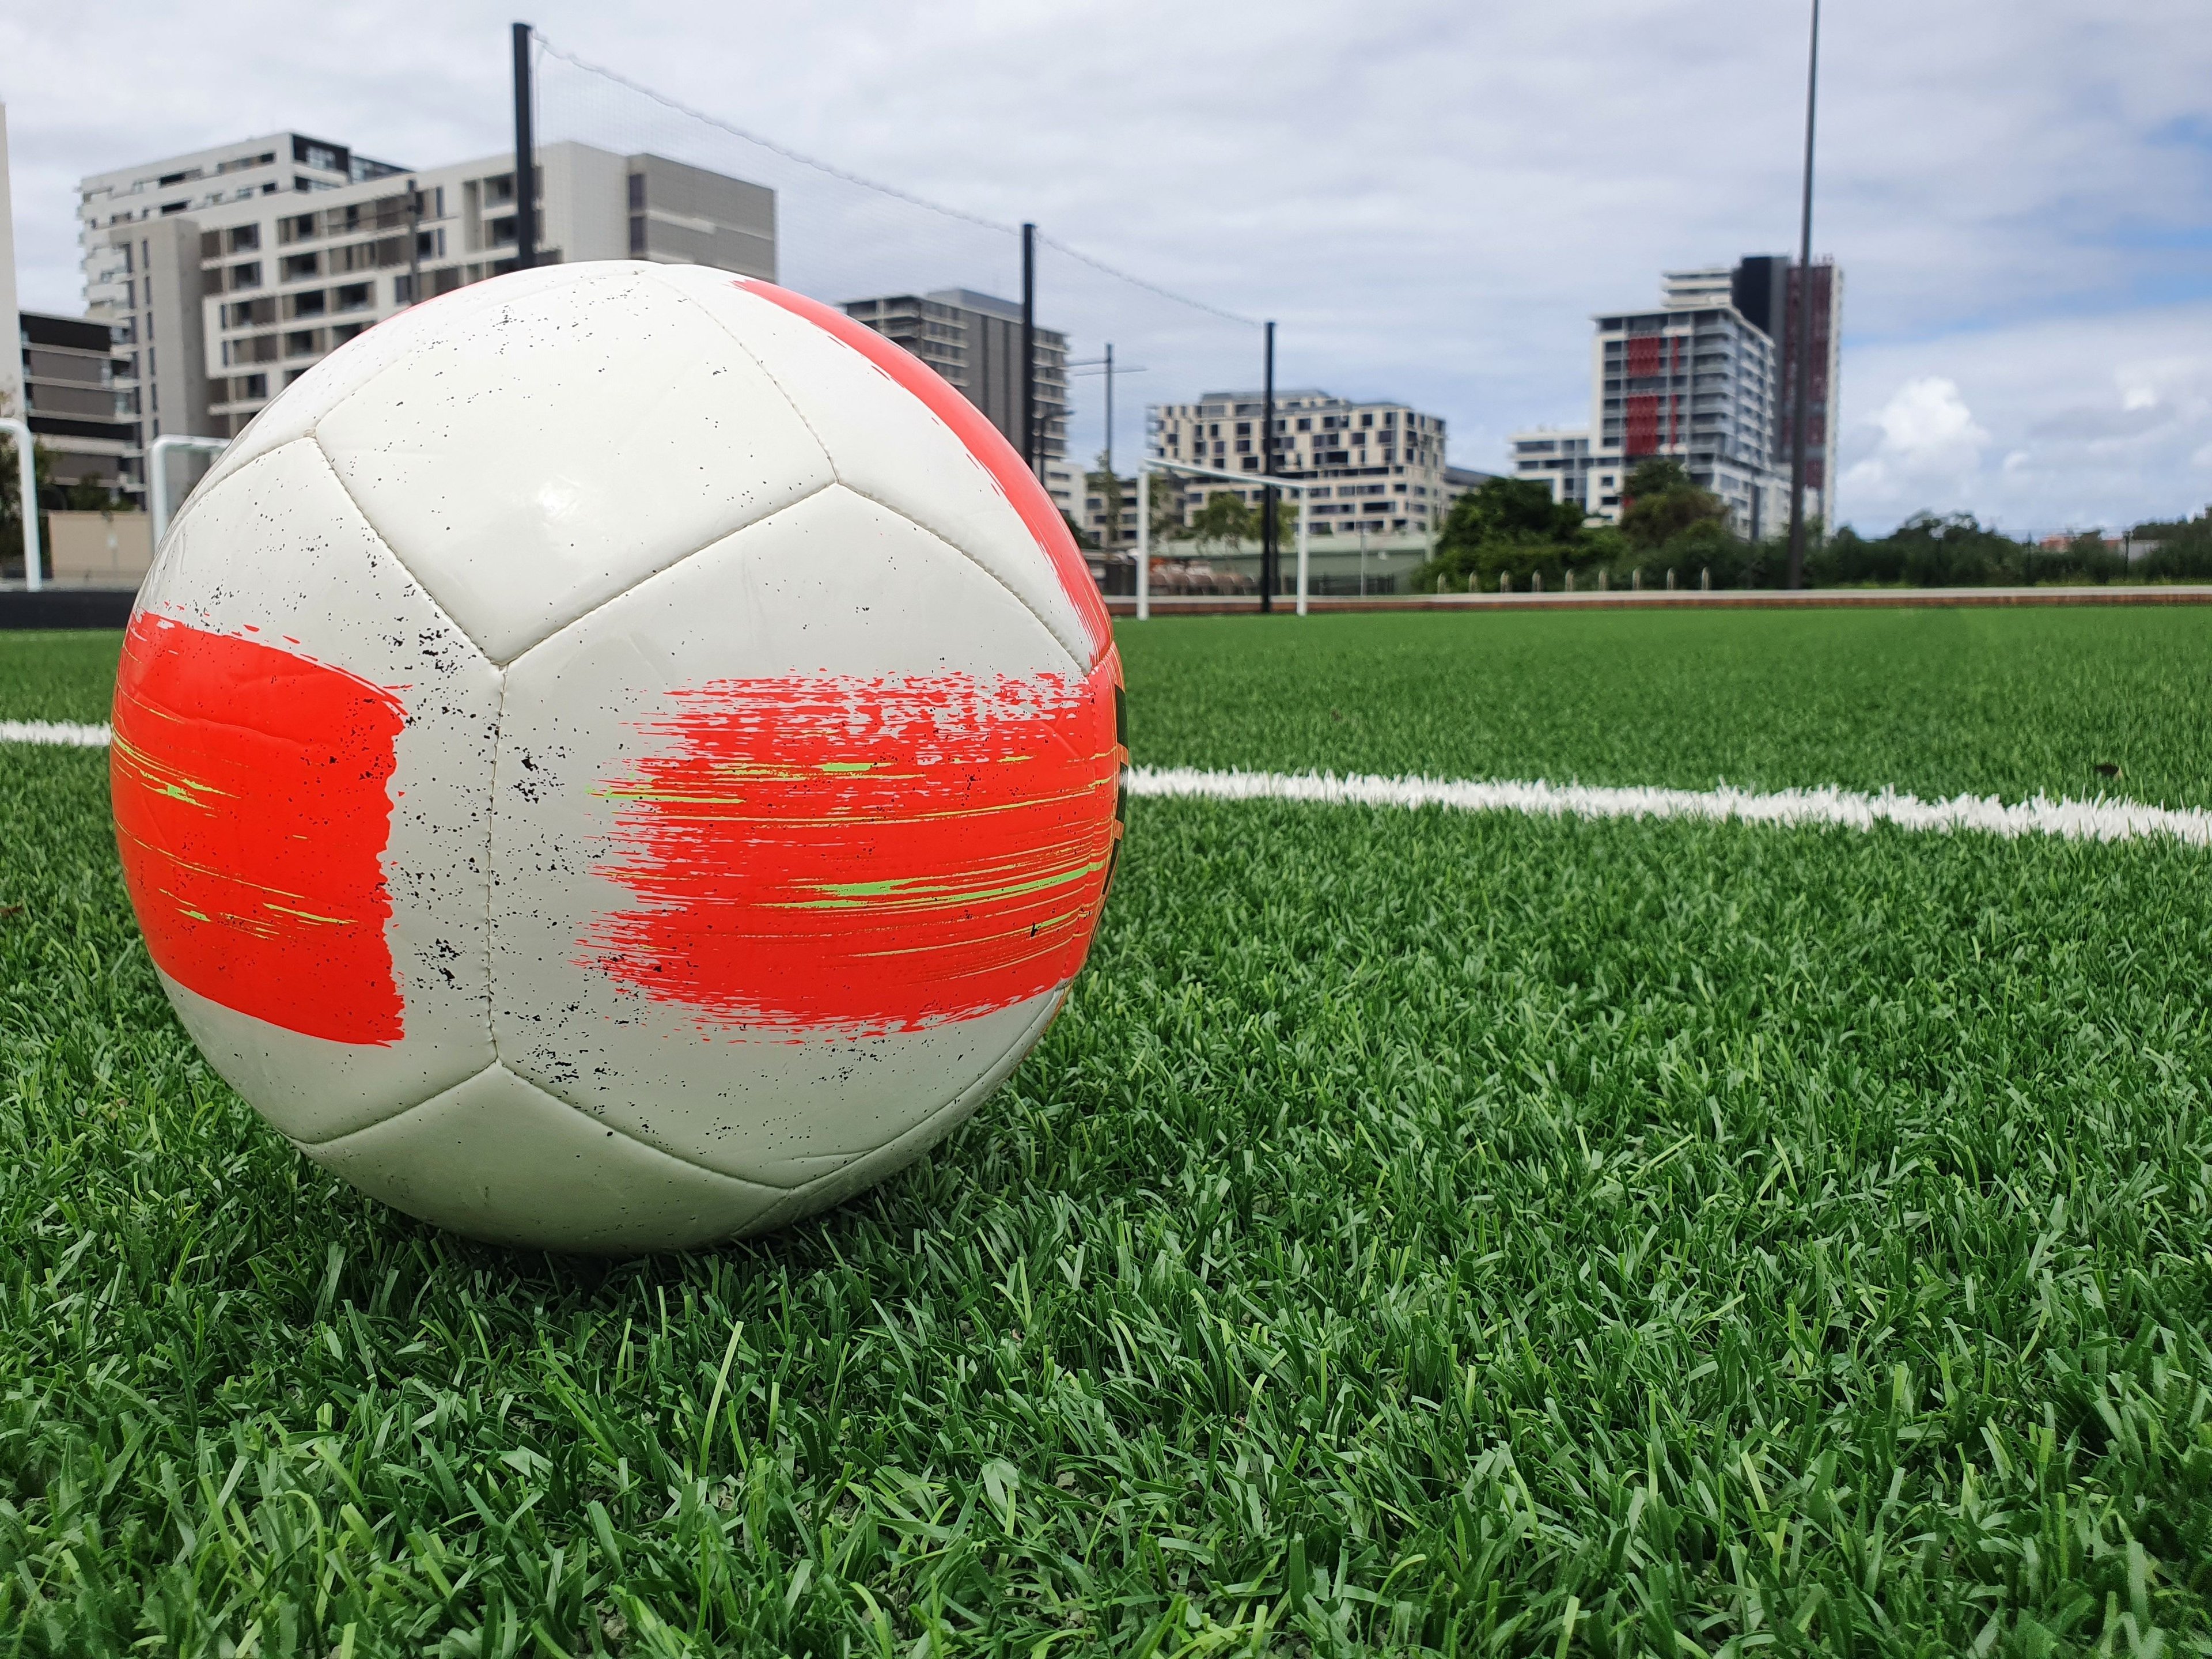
(1152, 463)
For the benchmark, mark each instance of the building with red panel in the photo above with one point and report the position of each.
(1696, 384)
(1705, 379)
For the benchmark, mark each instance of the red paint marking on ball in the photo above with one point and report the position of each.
(251, 815)
(864, 856)
(983, 441)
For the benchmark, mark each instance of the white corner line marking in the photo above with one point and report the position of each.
(2102, 819)
(66, 734)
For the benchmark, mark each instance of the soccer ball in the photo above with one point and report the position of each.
(616, 757)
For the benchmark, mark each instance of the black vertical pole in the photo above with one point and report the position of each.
(1029, 346)
(525, 157)
(1109, 419)
(1268, 559)
(1801, 346)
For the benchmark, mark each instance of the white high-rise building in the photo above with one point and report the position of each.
(1694, 384)
(228, 272)
(1378, 467)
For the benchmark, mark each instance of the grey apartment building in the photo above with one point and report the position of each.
(225, 274)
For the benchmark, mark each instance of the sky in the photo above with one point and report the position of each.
(1431, 197)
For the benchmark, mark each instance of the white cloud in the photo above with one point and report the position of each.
(2102, 421)
(1930, 440)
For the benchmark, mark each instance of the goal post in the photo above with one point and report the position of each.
(26, 491)
(157, 475)
(1153, 463)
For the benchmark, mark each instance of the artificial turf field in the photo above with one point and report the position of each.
(1423, 1232)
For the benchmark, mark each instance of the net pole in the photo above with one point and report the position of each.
(1269, 580)
(525, 157)
(1144, 541)
(1302, 552)
(1029, 346)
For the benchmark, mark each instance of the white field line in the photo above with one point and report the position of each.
(2071, 820)
(2102, 819)
(68, 734)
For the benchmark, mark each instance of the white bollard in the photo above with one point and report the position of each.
(1705, 580)
(1635, 580)
(1570, 581)
(1670, 579)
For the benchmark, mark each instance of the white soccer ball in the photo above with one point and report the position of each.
(616, 757)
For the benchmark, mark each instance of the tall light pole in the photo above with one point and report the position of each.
(1801, 345)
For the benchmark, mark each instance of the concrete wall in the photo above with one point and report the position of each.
(98, 549)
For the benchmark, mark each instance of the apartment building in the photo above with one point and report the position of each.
(1698, 385)
(1377, 467)
(974, 341)
(1764, 288)
(75, 398)
(228, 273)
(1556, 458)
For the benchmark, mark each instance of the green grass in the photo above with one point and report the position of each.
(56, 676)
(1458, 1234)
(1932, 701)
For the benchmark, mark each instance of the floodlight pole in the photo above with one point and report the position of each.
(1802, 345)
(27, 485)
(1029, 346)
(1268, 550)
(525, 157)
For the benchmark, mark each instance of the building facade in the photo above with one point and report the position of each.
(226, 274)
(1693, 384)
(1764, 288)
(1377, 467)
(76, 400)
(1558, 460)
(1702, 379)
(974, 341)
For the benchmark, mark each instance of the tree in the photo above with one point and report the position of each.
(1166, 510)
(1225, 519)
(1103, 482)
(1505, 526)
(1660, 503)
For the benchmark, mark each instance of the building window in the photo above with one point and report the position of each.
(637, 235)
(246, 275)
(354, 296)
(244, 239)
(310, 304)
(299, 267)
(254, 386)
